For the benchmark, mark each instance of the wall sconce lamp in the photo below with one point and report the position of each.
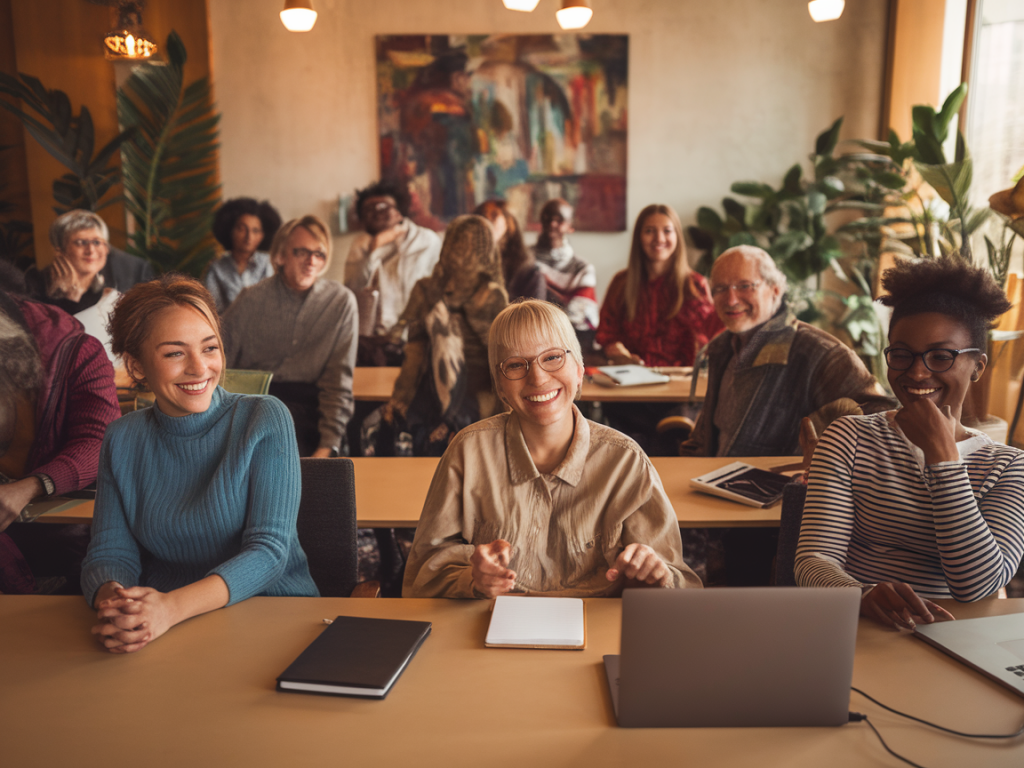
(129, 40)
(298, 15)
(826, 10)
(575, 14)
(520, 5)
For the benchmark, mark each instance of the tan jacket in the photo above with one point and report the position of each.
(566, 529)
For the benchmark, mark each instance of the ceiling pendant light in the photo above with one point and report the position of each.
(129, 41)
(520, 5)
(826, 10)
(298, 15)
(574, 14)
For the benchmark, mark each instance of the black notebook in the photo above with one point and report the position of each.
(355, 656)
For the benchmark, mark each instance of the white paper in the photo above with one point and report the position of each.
(542, 621)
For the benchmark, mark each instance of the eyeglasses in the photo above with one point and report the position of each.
(742, 289)
(514, 368)
(82, 243)
(935, 360)
(378, 207)
(305, 253)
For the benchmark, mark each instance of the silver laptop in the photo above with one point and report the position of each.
(993, 645)
(761, 656)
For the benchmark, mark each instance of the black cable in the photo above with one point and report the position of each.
(856, 717)
(938, 727)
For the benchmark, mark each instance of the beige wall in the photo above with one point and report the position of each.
(719, 91)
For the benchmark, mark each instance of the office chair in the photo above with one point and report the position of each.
(327, 527)
(793, 497)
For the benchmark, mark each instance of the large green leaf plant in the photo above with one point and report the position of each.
(170, 165)
(49, 118)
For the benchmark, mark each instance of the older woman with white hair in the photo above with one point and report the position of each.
(303, 329)
(84, 264)
(539, 499)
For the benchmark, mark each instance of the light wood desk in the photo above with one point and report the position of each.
(376, 384)
(390, 493)
(203, 695)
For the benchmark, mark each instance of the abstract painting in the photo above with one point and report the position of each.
(524, 118)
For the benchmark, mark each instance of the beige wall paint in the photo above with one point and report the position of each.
(719, 91)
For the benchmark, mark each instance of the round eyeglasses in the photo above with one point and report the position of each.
(551, 360)
(935, 360)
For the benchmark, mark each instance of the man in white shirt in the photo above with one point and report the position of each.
(385, 262)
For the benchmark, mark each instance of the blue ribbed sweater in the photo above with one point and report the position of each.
(180, 498)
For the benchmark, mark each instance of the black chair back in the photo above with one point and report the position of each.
(793, 497)
(327, 524)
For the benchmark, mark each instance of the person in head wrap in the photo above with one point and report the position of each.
(444, 384)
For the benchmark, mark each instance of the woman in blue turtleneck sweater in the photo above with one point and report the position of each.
(197, 497)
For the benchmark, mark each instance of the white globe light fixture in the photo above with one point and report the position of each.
(520, 5)
(574, 14)
(826, 10)
(298, 15)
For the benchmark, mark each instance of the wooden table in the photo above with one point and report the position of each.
(376, 384)
(203, 695)
(390, 493)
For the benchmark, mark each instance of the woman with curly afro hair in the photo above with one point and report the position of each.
(245, 228)
(911, 505)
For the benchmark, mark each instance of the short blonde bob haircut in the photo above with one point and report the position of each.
(314, 226)
(526, 321)
(132, 319)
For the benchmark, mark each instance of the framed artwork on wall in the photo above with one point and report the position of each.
(524, 118)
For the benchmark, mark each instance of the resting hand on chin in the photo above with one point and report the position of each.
(930, 429)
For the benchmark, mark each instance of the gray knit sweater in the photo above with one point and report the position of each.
(308, 338)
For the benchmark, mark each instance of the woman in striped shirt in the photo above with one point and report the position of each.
(910, 505)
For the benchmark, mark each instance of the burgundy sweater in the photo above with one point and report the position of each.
(76, 403)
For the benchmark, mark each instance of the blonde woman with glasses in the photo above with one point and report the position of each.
(539, 499)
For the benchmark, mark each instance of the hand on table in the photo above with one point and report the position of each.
(491, 574)
(931, 430)
(132, 617)
(617, 354)
(896, 605)
(14, 497)
(641, 566)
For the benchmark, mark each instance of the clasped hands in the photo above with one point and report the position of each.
(129, 618)
(638, 563)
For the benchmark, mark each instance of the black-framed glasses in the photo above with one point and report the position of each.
(550, 360)
(742, 289)
(83, 243)
(305, 253)
(935, 360)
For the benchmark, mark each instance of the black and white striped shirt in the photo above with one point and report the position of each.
(875, 513)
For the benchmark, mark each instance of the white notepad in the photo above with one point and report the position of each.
(537, 622)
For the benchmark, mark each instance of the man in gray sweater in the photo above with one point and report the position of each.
(303, 329)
